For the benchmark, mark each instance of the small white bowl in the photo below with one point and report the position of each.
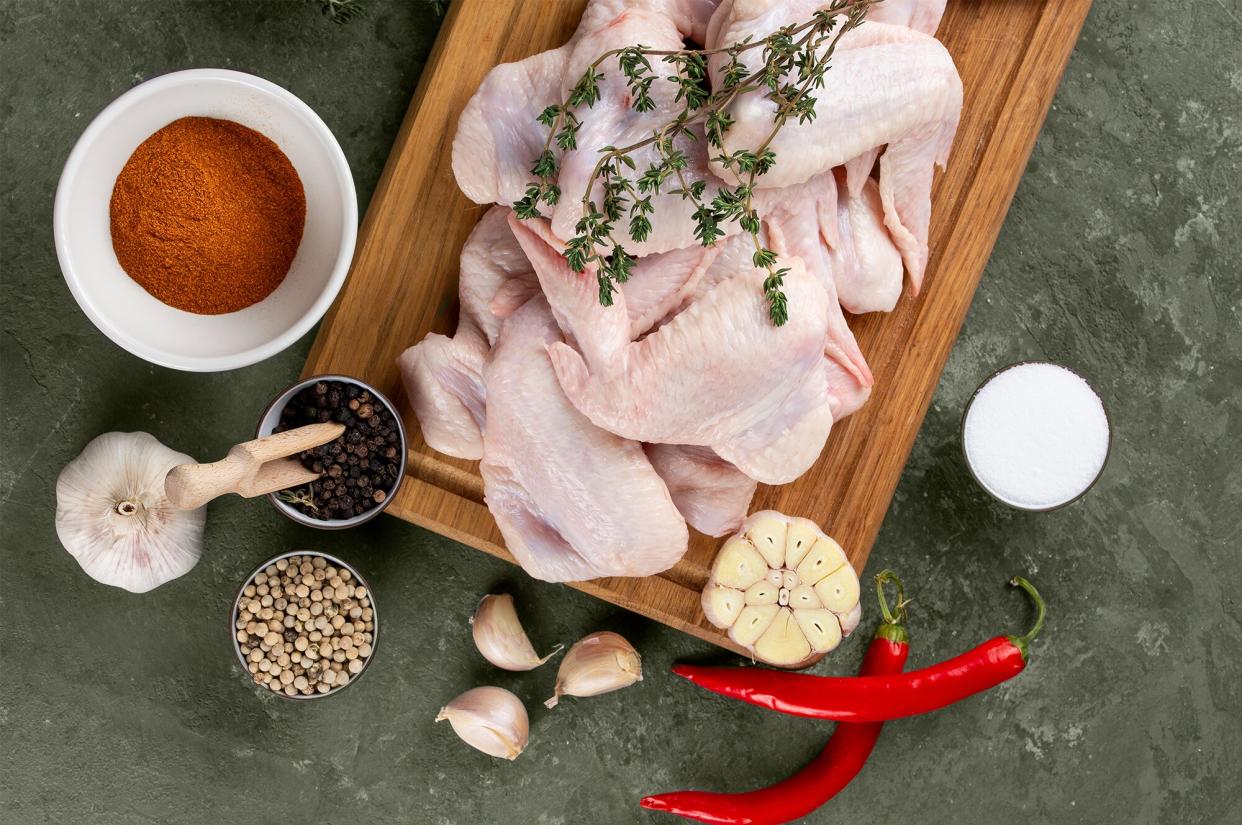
(131, 316)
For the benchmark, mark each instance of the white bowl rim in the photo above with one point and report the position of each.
(215, 363)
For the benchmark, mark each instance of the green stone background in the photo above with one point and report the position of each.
(1120, 258)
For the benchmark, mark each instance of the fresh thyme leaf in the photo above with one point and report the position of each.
(586, 90)
(549, 115)
(545, 166)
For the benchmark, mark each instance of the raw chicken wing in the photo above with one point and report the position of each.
(573, 501)
(443, 376)
(720, 375)
(712, 494)
(887, 85)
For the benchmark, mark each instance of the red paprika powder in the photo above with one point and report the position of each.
(207, 215)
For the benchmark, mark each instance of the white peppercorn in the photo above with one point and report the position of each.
(304, 626)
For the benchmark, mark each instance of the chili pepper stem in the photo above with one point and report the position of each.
(1023, 642)
(893, 627)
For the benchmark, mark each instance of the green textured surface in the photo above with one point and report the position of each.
(1120, 258)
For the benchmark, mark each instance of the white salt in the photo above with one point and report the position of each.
(1036, 436)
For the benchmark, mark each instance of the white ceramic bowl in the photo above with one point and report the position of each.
(127, 313)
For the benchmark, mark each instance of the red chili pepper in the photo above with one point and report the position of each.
(835, 767)
(876, 698)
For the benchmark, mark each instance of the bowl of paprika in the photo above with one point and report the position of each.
(205, 220)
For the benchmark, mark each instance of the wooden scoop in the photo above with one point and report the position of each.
(254, 468)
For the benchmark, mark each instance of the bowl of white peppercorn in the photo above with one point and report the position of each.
(304, 625)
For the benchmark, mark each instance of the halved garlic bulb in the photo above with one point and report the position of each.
(499, 636)
(785, 591)
(490, 719)
(112, 515)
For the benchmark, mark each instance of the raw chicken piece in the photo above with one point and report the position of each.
(661, 283)
(887, 85)
(792, 218)
(720, 375)
(443, 376)
(858, 169)
(658, 285)
(920, 15)
(495, 276)
(573, 501)
(710, 493)
(845, 394)
(498, 137)
(599, 332)
(735, 256)
(866, 266)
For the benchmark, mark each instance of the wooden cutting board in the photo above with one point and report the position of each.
(403, 284)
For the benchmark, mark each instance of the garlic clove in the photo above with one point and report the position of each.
(824, 558)
(739, 564)
(849, 622)
(783, 643)
(821, 628)
(752, 622)
(839, 590)
(113, 517)
(721, 605)
(803, 597)
(489, 719)
(762, 593)
(499, 636)
(767, 532)
(598, 663)
(801, 538)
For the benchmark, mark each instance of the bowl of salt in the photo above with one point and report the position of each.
(1036, 436)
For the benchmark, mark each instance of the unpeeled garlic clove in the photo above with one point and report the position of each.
(499, 636)
(599, 663)
(113, 517)
(489, 719)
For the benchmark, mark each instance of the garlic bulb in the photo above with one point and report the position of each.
(489, 719)
(785, 591)
(599, 663)
(500, 638)
(112, 515)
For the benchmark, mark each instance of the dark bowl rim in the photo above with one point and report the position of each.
(337, 524)
(375, 624)
(1108, 449)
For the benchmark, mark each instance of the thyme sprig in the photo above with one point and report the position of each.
(794, 60)
(304, 497)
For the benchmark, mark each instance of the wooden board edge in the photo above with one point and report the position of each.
(418, 502)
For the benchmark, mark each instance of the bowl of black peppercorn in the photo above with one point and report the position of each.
(360, 471)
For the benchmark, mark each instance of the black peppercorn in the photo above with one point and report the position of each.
(359, 469)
